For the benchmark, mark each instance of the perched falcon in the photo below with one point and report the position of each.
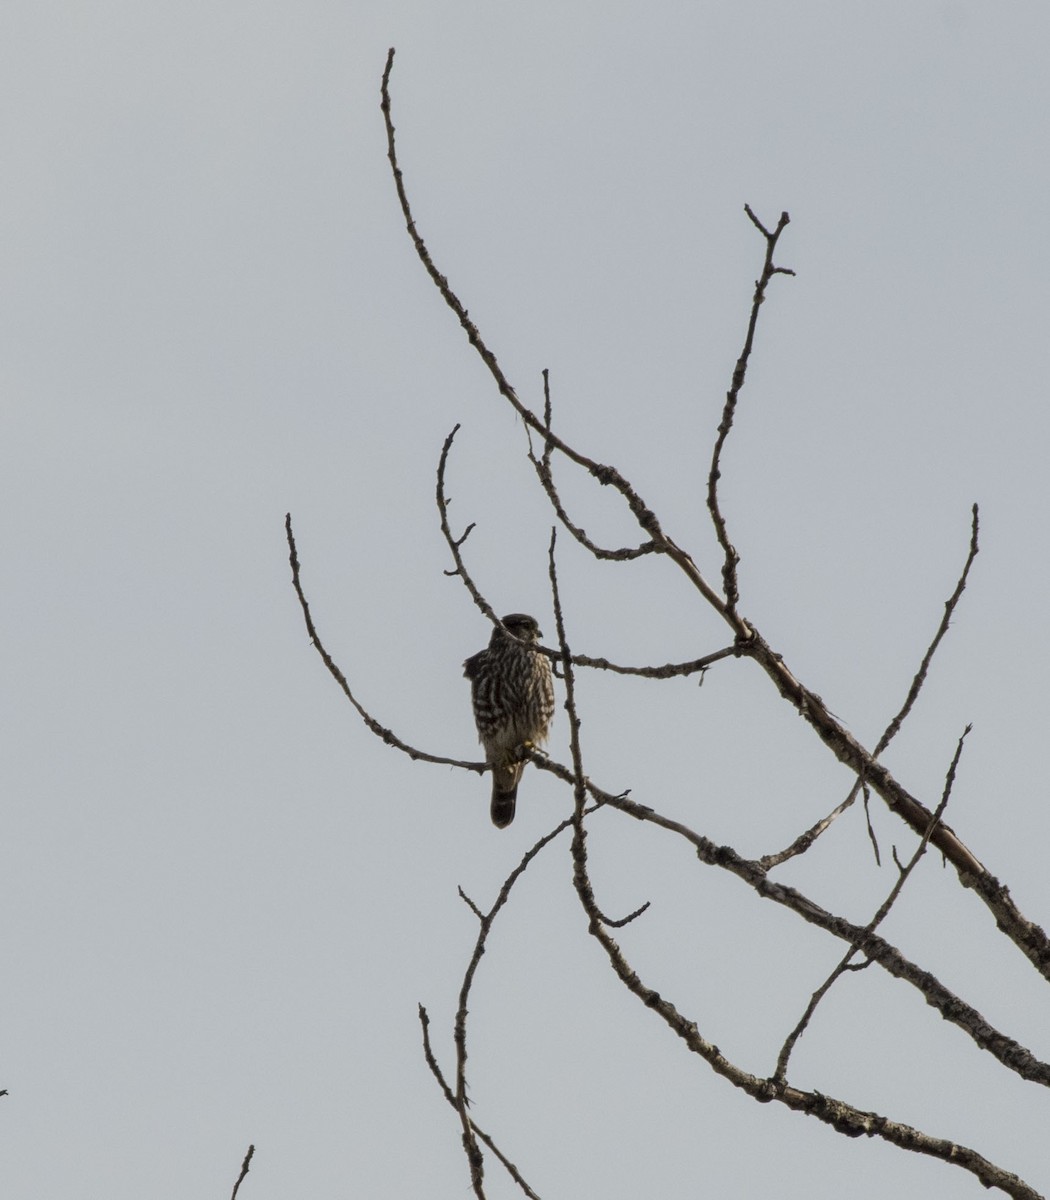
(513, 702)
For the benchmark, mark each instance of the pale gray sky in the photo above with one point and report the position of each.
(223, 897)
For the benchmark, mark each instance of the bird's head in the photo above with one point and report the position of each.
(522, 626)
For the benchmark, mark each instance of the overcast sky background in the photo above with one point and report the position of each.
(223, 897)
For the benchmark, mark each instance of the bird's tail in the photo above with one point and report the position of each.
(505, 779)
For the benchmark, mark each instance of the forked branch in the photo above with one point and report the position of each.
(730, 585)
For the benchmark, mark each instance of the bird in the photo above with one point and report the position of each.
(513, 697)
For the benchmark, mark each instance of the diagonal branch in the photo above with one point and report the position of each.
(244, 1171)
(803, 842)
(806, 839)
(435, 1069)
(606, 475)
(839, 1115)
(1029, 937)
(1006, 1050)
(844, 964)
(950, 605)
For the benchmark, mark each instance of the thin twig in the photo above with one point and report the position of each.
(805, 840)
(456, 544)
(381, 732)
(730, 586)
(631, 916)
(780, 1074)
(460, 1102)
(471, 905)
(244, 1172)
(950, 605)
(432, 1063)
(866, 791)
(546, 478)
(668, 671)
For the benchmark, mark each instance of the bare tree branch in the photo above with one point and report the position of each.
(485, 921)
(432, 1063)
(381, 732)
(1029, 937)
(747, 642)
(244, 1171)
(546, 478)
(668, 671)
(1026, 934)
(950, 606)
(1016, 1057)
(455, 545)
(1009, 1052)
(780, 1074)
(631, 916)
(841, 1116)
(730, 585)
(805, 840)
(606, 475)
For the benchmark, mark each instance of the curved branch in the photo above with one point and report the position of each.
(545, 475)
(381, 732)
(606, 475)
(806, 839)
(455, 544)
